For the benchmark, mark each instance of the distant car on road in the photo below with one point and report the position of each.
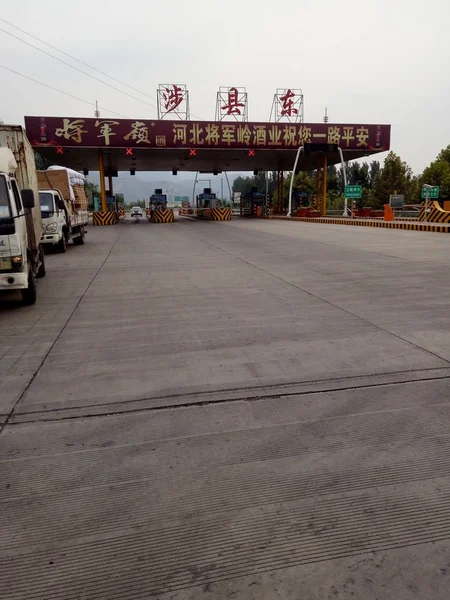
(136, 211)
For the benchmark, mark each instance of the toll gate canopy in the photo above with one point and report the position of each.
(210, 146)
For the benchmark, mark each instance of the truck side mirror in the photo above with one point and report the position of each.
(60, 204)
(27, 198)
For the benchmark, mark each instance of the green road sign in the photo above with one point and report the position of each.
(353, 191)
(433, 194)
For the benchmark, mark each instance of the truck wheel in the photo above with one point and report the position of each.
(61, 245)
(41, 271)
(79, 240)
(29, 294)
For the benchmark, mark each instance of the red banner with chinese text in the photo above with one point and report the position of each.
(127, 133)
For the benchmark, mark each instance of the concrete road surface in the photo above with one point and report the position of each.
(247, 410)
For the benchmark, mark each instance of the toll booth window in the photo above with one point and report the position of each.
(5, 210)
(16, 197)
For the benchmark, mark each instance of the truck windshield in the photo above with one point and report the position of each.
(47, 203)
(5, 209)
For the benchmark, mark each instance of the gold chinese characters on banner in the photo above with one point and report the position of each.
(202, 134)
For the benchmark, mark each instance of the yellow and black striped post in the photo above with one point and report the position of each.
(107, 217)
(162, 216)
(221, 214)
(435, 213)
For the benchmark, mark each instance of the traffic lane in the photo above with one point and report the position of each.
(360, 396)
(410, 246)
(168, 325)
(157, 376)
(406, 295)
(410, 573)
(213, 503)
(179, 501)
(27, 333)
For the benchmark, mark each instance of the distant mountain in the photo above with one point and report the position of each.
(143, 184)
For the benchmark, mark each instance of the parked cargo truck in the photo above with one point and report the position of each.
(63, 207)
(21, 254)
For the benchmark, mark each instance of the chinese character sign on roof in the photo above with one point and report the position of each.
(287, 106)
(130, 133)
(231, 104)
(173, 100)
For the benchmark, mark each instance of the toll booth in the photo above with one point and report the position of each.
(158, 200)
(301, 202)
(206, 202)
(157, 211)
(253, 204)
(300, 199)
(186, 208)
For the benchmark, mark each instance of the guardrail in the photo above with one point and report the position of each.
(399, 214)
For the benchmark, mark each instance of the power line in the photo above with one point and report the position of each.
(61, 91)
(76, 68)
(38, 39)
(77, 59)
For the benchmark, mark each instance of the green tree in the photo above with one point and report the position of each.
(273, 182)
(92, 189)
(359, 175)
(332, 179)
(92, 192)
(303, 181)
(340, 176)
(42, 163)
(395, 177)
(444, 155)
(438, 173)
(245, 184)
(374, 169)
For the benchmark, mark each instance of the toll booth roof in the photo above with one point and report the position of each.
(160, 145)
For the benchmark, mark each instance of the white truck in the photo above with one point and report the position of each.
(64, 214)
(21, 254)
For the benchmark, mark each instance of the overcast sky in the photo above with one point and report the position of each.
(384, 61)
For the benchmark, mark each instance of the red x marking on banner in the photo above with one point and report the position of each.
(192, 152)
(59, 150)
(251, 153)
(129, 151)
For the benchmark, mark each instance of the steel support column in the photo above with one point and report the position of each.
(280, 192)
(110, 189)
(321, 200)
(277, 205)
(101, 168)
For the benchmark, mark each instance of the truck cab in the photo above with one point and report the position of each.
(21, 259)
(55, 219)
(63, 207)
